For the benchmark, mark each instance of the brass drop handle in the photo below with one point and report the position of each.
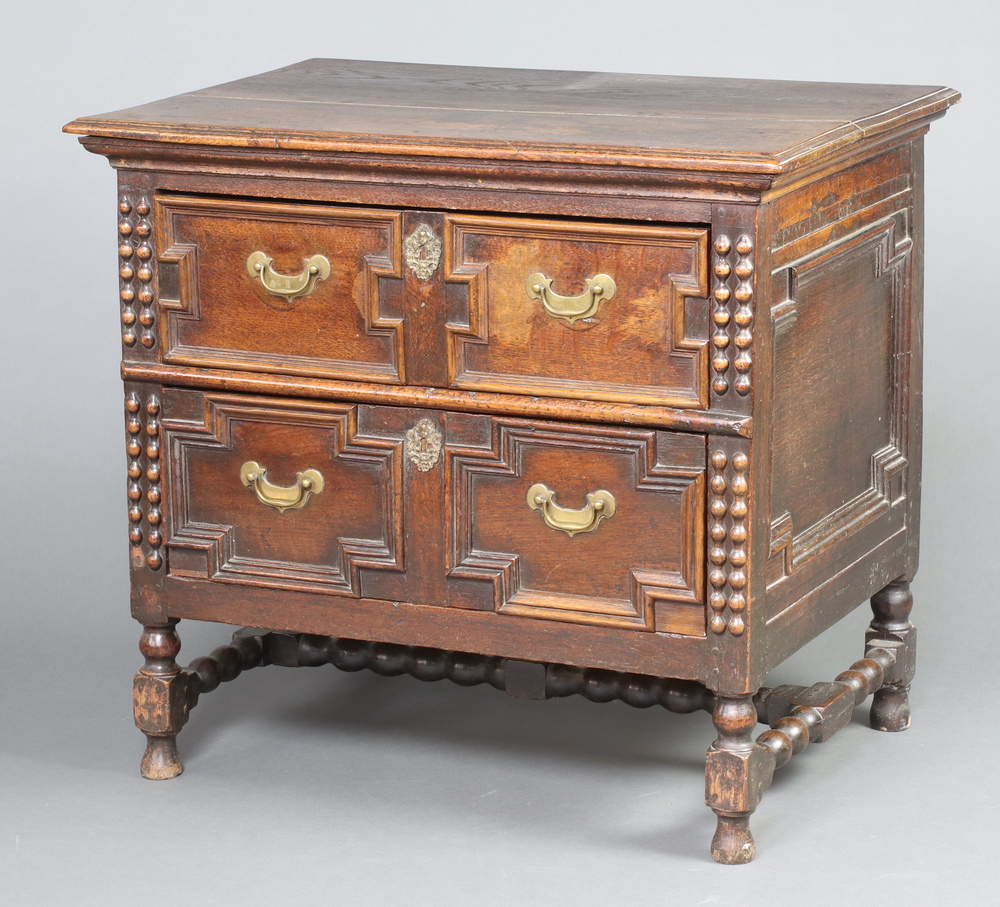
(600, 505)
(571, 308)
(290, 287)
(307, 483)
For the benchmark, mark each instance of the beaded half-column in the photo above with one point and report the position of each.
(728, 517)
(142, 445)
(728, 510)
(732, 319)
(135, 271)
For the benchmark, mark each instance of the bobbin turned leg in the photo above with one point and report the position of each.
(162, 701)
(737, 772)
(891, 607)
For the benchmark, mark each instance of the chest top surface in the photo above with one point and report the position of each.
(654, 120)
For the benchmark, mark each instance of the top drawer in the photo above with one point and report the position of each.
(586, 310)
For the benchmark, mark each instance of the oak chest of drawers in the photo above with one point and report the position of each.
(563, 382)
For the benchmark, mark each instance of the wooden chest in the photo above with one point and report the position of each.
(563, 382)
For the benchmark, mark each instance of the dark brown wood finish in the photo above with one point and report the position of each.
(357, 454)
(845, 314)
(161, 700)
(891, 606)
(443, 398)
(165, 693)
(642, 567)
(507, 114)
(221, 531)
(216, 313)
(500, 339)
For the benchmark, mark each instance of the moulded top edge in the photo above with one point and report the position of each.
(669, 122)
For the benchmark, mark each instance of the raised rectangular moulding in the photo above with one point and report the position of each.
(277, 493)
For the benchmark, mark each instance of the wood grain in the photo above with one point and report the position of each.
(216, 314)
(665, 121)
(646, 344)
(443, 398)
(220, 531)
(642, 568)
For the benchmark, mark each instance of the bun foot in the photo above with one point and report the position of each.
(891, 709)
(733, 843)
(161, 761)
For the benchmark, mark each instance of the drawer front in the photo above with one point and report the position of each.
(523, 519)
(279, 288)
(278, 493)
(574, 309)
(565, 309)
(581, 524)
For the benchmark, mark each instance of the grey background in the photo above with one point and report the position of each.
(318, 787)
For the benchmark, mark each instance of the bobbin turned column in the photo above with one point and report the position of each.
(737, 772)
(161, 697)
(891, 607)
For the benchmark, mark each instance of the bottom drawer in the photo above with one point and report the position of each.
(511, 518)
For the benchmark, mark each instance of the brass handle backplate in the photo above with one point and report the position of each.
(289, 287)
(571, 308)
(600, 505)
(308, 482)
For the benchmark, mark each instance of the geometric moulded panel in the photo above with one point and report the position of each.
(222, 449)
(638, 567)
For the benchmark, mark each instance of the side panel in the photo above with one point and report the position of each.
(842, 314)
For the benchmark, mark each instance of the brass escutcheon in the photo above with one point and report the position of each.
(571, 308)
(423, 445)
(307, 483)
(422, 250)
(289, 287)
(600, 505)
